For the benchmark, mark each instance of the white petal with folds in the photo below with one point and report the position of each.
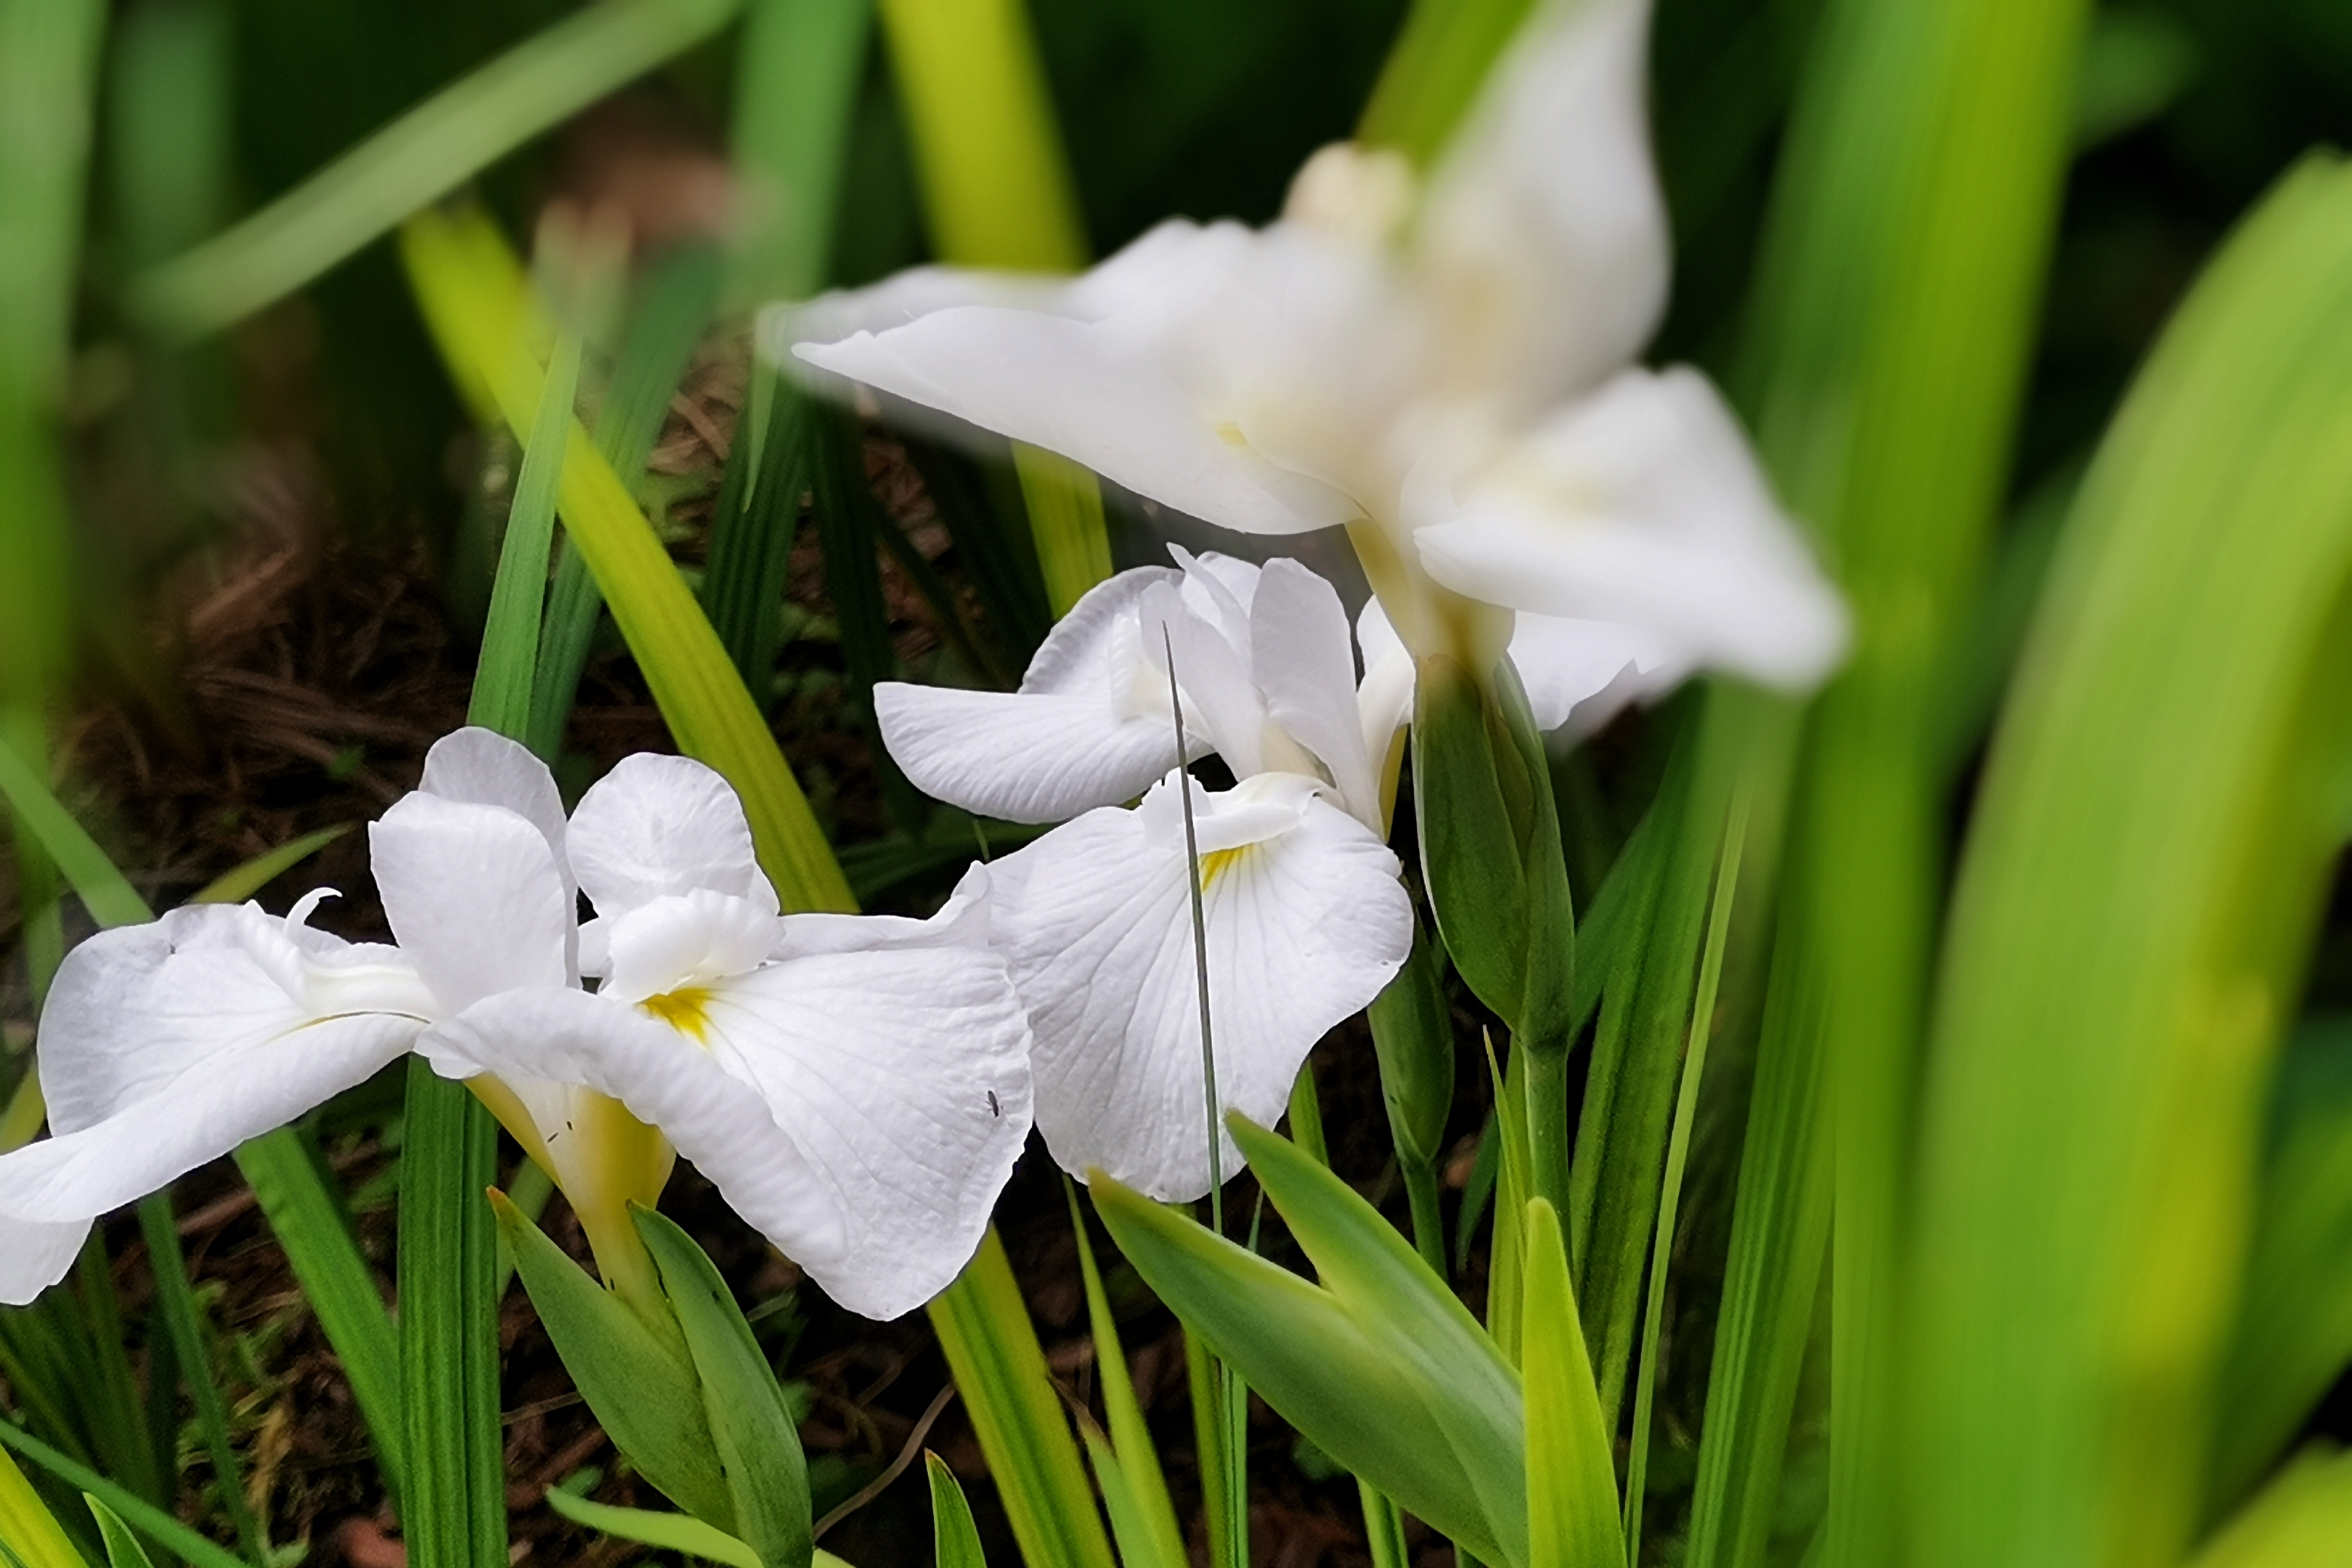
(1581, 673)
(474, 896)
(658, 825)
(1642, 505)
(486, 768)
(1076, 389)
(1306, 922)
(685, 939)
(167, 1045)
(1306, 663)
(1022, 757)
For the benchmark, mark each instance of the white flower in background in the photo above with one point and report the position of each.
(1442, 367)
(857, 1088)
(1304, 920)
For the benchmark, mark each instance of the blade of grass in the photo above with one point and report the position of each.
(503, 688)
(2133, 911)
(847, 521)
(1434, 71)
(184, 1321)
(798, 69)
(1153, 1516)
(984, 1330)
(2303, 1517)
(679, 1533)
(955, 1540)
(425, 153)
(28, 1527)
(144, 1517)
(471, 292)
(241, 882)
(1571, 1469)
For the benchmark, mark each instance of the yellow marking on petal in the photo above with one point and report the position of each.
(1230, 432)
(1216, 863)
(683, 1010)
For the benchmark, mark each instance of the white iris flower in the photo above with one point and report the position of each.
(856, 1087)
(1443, 367)
(1305, 919)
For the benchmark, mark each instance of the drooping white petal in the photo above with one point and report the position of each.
(1305, 665)
(658, 825)
(1642, 505)
(35, 1255)
(1089, 727)
(1582, 673)
(1073, 388)
(1306, 922)
(1542, 242)
(473, 897)
(1221, 695)
(166, 1045)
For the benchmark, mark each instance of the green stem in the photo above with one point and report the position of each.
(1428, 1219)
(1547, 1139)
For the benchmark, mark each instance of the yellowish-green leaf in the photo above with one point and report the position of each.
(678, 1532)
(1572, 1472)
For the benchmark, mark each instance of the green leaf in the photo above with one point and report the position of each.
(110, 899)
(955, 1540)
(1434, 71)
(423, 155)
(28, 1527)
(1474, 804)
(176, 1303)
(752, 1432)
(757, 516)
(1571, 1464)
(984, 1330)
(241, 882)
(508, 670)
(668, 1531)
(1412, 1035)
(996, 187)
(2132, 916)
(153, 1522)
(1066, 522)
(2303, 1517)
(797, 74)
(122, 1548)
(846, 520)
(473, 296)
(1381, 1368)
(1141, 1514)
(308, 1218)
(635, 1375)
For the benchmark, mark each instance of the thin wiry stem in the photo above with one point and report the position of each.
(1200, 951)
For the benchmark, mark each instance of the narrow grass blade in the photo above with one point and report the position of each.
(992, 1348)
(104, 891)
(757, 518)
(1661, 1250)
(150, 1521)
(308, 1218)
(1065, 520)
(508, 670)
(955, 1540)
(996, 184)
(122, 1548)
(1572, 1465)
(27, 1526)
(678, 1532)
(847, 522)
(455, 1515)
(427, 153)
(797, 74)
(998, 554)
(679, 293)
(241, 882)
(1434, 71)
(1152, 1534)
(2134, 908)
(472, 294)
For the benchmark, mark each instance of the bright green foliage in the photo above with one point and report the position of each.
(156, 1524)
(1065, 517)
(751, 1427)
(667, 1532)
(796, 82)
(509, 665)
(472, 294)
(27, 1527)
(996, 187)
(1435, 71)
(2303, 1517)
(122, 1548)
(2121, 955)
(631, 1369)
(105, 892)
(1412, 1035)
(241, 882)
(1381, 1366)
(955, 1540)
(985, 1334)
(176, 1303)
(424, 155)
(1135, 1492)
(1572, 1466)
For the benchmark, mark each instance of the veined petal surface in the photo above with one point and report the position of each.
(166, 1045)
(1306, 922)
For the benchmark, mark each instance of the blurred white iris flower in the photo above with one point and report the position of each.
(856, 1087)
(1443, 366)
(1304, 917)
